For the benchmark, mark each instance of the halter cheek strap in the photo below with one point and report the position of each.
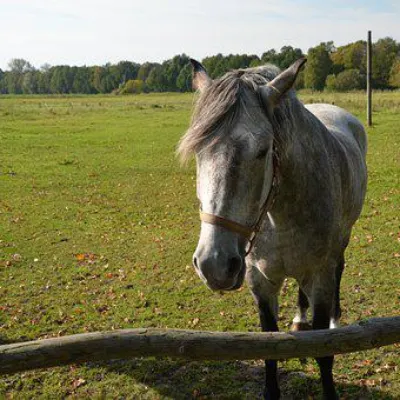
(249, 233)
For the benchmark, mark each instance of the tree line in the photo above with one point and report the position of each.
(331, 68)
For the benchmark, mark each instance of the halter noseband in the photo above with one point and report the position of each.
(249, 233)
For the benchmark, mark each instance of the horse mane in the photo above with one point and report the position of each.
(220, 104)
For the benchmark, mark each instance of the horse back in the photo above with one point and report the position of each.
(347, 142)
(341, 124)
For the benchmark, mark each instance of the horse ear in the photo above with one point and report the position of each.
(273, 91)
(200, 77)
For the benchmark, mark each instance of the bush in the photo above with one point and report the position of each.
(394, 79)
(350, 79)
(299, 83)
(132, 86)
(330, 83)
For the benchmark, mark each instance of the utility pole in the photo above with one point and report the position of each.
(369, 73)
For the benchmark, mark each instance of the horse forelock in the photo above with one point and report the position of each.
(219, 106)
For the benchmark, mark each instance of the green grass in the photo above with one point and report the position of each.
(98, 223)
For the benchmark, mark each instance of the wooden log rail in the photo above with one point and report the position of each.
(197, 345)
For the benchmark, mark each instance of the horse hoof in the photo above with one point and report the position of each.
(300, 326)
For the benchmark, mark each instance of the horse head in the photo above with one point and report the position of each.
(233, 140)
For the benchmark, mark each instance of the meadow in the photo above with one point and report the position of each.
(98, 222)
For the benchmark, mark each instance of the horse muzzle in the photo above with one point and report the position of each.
(220, 271)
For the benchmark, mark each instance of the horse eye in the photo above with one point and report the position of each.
(261, 154)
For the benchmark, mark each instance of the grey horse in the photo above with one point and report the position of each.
(280, 186)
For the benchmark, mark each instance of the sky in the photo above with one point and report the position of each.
(94, 32)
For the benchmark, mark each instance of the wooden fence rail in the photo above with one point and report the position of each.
(197, 345)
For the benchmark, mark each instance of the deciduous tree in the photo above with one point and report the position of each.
(394, 79)
(318, 66)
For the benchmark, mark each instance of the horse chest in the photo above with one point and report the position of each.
(293, 252)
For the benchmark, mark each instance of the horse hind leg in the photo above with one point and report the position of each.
(300, 322)
(337, 312)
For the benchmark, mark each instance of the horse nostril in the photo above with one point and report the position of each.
(234, 265)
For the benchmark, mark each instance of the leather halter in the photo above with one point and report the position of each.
(248, 232)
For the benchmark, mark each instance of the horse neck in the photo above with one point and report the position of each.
(300, 160)
(296, 136)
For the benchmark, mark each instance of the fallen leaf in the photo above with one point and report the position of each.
(78, 382)
(368, 382)
(80, 256)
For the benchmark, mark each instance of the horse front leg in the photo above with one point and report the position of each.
(265, 292)
(322, 307)
(267, 309)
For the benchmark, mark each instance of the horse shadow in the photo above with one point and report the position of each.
(177, 379)
(4, 340)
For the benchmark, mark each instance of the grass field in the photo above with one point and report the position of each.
(98, 223)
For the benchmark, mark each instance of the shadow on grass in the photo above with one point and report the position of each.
(229, 380)
(3, 340)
